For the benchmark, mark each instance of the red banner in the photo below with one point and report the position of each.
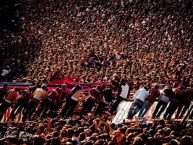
(70, 81)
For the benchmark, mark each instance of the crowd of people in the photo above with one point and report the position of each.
(61, 117)
(146, 41)
(96, 131)
(123, 45)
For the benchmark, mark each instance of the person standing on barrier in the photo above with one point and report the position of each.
(21, 103)
(188, 97)
(123, 93)
(62, 96)
(72, 101)
(140, 96)
(105, 100)
(154, 93)
(163, 100)
(93, 97)
(47, 105)
(38, 96)
(175, 102)
(10, 97)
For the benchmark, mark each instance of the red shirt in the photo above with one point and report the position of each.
(153, 94)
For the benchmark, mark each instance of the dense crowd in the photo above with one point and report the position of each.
(95, 131)
(146, 46)
(61, 117)
(141, 41)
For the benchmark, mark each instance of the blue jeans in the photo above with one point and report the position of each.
(145, 107)
(135, 107)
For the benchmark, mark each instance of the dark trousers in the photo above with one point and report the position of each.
(87, 107)
(3, 108)
(160, 107)
(171, 109)
(69, 108)
(16, 109)
(31, 108)
(190, 112)
(116, 104)
(58, 106)
(46, 108)
(182, 110)
(99, 108)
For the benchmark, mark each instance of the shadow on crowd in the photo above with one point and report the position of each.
(17, 47)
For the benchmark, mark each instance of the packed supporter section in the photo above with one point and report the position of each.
(145, 41)
(102, 72)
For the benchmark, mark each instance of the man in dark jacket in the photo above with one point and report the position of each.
(105, 100)
(185, 104)
(175, 102)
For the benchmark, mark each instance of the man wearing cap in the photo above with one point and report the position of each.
(154, 93)
(10, 97)
(38, 96)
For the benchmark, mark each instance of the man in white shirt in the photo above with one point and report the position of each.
(140, 96)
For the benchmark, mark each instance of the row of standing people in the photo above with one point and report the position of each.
(169, 101)
(41, 102)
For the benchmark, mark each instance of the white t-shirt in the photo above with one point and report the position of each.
(164, 97)
(141, 94)
(4, 72)
(125, 90)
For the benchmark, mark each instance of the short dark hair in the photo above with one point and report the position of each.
(44, 87)
(55, 141)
